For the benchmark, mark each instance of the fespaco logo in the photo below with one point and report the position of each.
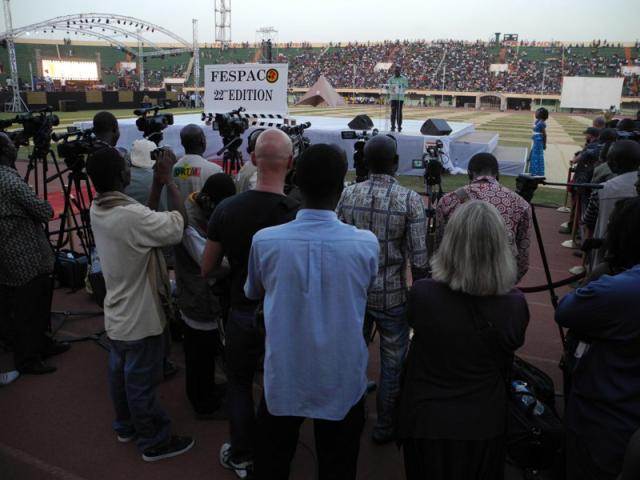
(272, 75)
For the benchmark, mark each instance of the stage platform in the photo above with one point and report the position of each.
(459, 146)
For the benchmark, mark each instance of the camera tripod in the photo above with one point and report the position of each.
(231, 156)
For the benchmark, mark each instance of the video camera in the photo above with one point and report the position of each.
(230, 125)
(432, 163)
(152, 125)
(38, 122)
(76, 143)
(296, 133)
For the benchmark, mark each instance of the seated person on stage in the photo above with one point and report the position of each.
(192, 170)
(484, 185)
(468, 320)
(142, 173)
(603, 409)
(128, 238)
(319, 270)
(200, 309)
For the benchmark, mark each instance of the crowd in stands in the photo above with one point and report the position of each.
(290, 275)
(461, 66)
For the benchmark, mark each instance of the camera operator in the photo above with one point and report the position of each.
(623, 159)
(128, 238)
(26, 265)
(248, 174)
(105, 128)
(192, 170)
(484, 185)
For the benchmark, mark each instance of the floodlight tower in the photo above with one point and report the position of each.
(223, 21)
(17, 104)
(196, 62)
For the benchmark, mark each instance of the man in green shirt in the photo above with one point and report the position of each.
(397, 86)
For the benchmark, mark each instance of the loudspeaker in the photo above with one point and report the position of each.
(360, 122)
(435, 126)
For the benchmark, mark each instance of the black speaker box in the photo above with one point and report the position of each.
(435, 126)
(360, 122)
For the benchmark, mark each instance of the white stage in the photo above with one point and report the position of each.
(459, 146)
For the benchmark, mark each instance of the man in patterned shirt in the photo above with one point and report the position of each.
(396, 216)
(26, 264)
(484, 185)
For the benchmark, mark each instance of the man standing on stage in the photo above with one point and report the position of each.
(397, 86)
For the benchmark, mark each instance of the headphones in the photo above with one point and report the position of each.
(252, 139)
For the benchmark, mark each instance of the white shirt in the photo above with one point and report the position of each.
(191, 172)
(125, 237)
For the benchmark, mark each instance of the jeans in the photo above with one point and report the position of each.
(394, 341)
(135, 369)
(396, 113)
(337, 444)
(244, 349)
(26, 311)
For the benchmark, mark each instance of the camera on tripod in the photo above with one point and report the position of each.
(298, 141)
(38, 122)
(151, 123)
(76, 143)
(230, 125)
(432, 163)
(526, 185)
(361, 167)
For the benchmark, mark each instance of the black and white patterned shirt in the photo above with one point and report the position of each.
(396, 216)
(25, 252)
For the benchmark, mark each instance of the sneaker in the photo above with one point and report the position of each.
(8, 377)
(125, 438)
(176, 446)
(241, 469)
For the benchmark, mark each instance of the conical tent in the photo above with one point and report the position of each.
(321, 94)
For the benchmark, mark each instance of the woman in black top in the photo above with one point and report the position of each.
(467, 321)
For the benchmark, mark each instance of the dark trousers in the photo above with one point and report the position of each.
(135, 369)
(244, 348)
(337, 444)
(580, 462)
(200, 349)
(396, 113)
(454, 459)
(25, 312)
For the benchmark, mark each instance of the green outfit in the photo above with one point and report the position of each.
(402, 83)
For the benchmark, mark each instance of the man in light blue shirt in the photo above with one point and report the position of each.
(314, 274)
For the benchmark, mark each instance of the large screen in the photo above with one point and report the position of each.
(68, 70)
(591, 92)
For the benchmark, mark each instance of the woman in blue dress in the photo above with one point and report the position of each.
(536, 160)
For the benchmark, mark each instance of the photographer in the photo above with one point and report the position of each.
(105, 128)
(128, 238)
(484, 185)
(142, 173)
(26, 265)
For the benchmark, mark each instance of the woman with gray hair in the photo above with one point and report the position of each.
(467, 321)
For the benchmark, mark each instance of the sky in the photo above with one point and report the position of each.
(350, 20)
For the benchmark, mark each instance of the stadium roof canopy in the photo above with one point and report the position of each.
(115, 29)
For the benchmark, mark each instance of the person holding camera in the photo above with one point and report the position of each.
(484, 185)
(200, 308)
(142, 173)
(396, 216)
(231, 229)
(192, 170)
(129, 237)
(315, 357)
(468, 320)
(26, 266)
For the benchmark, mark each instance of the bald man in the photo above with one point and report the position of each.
(231, 229)
(192, 171)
